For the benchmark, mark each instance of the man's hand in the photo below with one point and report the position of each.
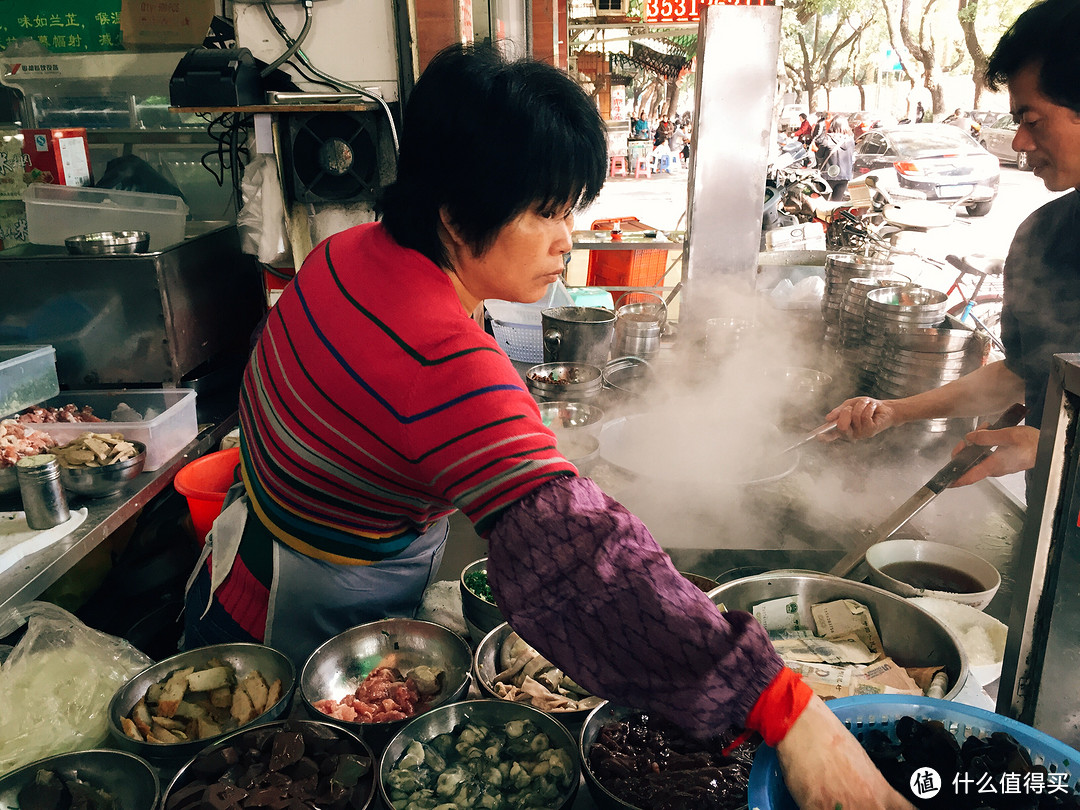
(826, 768)
(1016, 449)
(861, 418)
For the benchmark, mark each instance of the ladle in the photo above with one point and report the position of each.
(962, 462)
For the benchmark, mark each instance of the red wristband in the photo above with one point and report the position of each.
(779, 706)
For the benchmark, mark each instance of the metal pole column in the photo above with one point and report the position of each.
(736, 84)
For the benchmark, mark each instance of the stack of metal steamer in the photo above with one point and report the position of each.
(847, 279)
(886, 337)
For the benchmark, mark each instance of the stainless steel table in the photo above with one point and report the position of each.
(26, 580)
(631, 240)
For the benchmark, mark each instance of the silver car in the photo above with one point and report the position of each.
(997, 139)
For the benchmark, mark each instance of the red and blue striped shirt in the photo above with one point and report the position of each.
(374, 405)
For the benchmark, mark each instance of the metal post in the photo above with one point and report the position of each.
(733, 123)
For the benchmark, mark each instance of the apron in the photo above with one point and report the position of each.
(313, 600)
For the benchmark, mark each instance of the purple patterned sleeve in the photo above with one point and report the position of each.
(582, 580)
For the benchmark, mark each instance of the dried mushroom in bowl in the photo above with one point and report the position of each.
(96, 450)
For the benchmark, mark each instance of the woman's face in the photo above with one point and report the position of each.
(524, 259)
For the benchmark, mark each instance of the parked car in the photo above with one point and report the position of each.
(997, 139)
(937, 160)
(978, 119)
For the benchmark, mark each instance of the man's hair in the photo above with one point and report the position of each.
(802, 116)
(840, 124)
(487, 139)
(1046, 36)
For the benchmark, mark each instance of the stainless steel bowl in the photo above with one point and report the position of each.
(445, 719)
(486, 667)
(628, 376)
(911, 636)
(571, 417)
(573, 382)
(353, 744)
(404, 643)
(100, 482)
(105, 243)
(598, 718)
(481, 616)
(131, 779)
(244, 658)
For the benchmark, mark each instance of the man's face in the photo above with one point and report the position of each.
(1047, 132)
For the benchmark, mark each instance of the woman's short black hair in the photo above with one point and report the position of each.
(487, 139)
(1046, 35)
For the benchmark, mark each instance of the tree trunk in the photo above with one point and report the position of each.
(966, 13)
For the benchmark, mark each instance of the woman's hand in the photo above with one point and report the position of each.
(1016, 449)
(826, 768)
(861, 418)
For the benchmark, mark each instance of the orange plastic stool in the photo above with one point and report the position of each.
(642, 168)
(618, 163)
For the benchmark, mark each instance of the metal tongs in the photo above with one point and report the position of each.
(821, 430)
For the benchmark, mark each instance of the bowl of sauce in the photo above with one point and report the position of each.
(925, 568)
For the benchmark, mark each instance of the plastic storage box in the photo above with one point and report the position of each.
(626, 268)
(27, 376)
(53, 213)
(168, 420)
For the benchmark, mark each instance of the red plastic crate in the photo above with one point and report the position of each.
(626, 268)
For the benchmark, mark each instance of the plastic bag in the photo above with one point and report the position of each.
(262, 219)
(56, 684)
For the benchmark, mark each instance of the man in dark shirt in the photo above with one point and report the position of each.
(1038, 61)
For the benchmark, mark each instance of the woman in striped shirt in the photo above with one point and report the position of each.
(373, 406)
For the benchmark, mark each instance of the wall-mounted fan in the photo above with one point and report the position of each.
(336, 157)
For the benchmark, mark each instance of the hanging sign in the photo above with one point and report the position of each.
(676, 11)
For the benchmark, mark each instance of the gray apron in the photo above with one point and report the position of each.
(312, 600)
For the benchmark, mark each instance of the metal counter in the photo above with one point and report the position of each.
(26, 580)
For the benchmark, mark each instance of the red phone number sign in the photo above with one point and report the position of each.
(672, 11)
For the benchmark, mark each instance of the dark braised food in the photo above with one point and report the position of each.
(53, 791)
(649, 763)
(289, 767)
(569, 377)
(982, 774)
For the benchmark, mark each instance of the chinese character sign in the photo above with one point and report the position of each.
(62, 26)
(618, 103)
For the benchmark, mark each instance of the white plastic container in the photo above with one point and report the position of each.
(53, 213)
(168, 419)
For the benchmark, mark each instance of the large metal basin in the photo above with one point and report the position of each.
(910, 636)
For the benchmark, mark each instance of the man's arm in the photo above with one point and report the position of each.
(987, 390)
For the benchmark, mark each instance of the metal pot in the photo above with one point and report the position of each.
(639, 325)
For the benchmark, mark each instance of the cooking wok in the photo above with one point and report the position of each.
(685, 446)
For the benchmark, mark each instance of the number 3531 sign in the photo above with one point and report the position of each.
(673, 11)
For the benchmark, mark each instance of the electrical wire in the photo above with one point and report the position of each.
(341, 85)
(229, 133)
(293, 46)
(308, 78)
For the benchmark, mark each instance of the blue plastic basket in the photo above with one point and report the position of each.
(865, 712)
